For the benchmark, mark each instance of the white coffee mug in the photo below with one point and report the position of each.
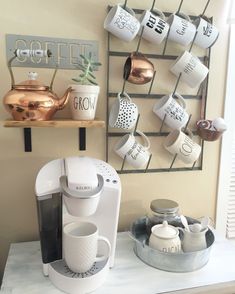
(173, 110)
(122, 23)
(123, 113)
(80, 244)
(186, 149)
(192, 70)
(136, 154)
(155, 26)
(182, 30)
(207, 34)
(83, 101)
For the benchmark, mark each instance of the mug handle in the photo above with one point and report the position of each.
(126, 96)
(145, 139)
(129, 10)
(182, 230)
(181, 100)
(159, 13)
(106, 241)
(185, 16)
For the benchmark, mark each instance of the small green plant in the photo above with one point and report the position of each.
(86, 77)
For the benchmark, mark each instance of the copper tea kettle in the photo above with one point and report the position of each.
(31, 100)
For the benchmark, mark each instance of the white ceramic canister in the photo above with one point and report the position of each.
(165, 238)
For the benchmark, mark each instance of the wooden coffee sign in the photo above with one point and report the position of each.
(65, 52)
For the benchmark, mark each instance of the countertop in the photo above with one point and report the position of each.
(23, 272)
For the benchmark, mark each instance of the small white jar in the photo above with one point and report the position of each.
(165, 238)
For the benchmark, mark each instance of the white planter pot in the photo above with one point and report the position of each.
(83, 101)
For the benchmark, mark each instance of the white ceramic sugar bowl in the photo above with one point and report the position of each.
(165, 238)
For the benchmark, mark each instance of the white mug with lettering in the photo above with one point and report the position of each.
(186, 149)
(182, 30)
(136, 154)
(207, 34)
(155, 26)
(83, 101)
(122, 23)
(173, 110)
(192, 70)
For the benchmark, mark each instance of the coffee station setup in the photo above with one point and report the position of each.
(78, 198)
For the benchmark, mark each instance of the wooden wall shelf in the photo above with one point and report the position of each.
(58, 123)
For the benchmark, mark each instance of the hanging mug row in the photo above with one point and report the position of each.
(179, 28)
(171, 109)
(124, 112)
(139, 70)
(177, 142)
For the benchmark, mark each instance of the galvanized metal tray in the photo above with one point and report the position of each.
(172, 262)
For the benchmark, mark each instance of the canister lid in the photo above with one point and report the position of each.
(164, 206)
(164, 231)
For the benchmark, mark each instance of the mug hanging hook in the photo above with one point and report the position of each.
(176, 85)
(153, 4)
(190, 49)
(173, 161)
(204, 11)
(123, 87)
(179, 8)
(140, 38)
(125, 3)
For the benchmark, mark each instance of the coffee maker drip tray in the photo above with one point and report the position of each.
(61, 267)
(68, 281)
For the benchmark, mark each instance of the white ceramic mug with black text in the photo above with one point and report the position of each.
(155, 26)
(137, 155)
(122, 23)
(192, 70)
(182, 30)
(173, 110)
(186, 149)
(207, 33)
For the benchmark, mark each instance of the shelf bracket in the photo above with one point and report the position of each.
(27, 140)
(82, 139)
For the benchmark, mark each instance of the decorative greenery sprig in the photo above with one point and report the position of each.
(86, 77)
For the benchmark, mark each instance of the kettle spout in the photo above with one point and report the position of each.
(63, 100)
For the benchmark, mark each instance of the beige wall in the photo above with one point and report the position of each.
(195, 191)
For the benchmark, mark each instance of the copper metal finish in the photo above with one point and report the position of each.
(207, 134)
(31, 100)
(34, 105)
(138, 69)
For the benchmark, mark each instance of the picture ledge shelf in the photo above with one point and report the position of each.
(57, 123)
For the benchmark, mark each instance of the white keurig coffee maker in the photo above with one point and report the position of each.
(82, 192)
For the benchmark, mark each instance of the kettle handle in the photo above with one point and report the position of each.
(26, 53)
(10, 70)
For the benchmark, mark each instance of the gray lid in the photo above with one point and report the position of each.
(164, 206)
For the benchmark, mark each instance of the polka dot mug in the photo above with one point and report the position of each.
(123, 113)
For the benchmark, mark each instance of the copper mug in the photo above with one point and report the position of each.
(138, 69)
